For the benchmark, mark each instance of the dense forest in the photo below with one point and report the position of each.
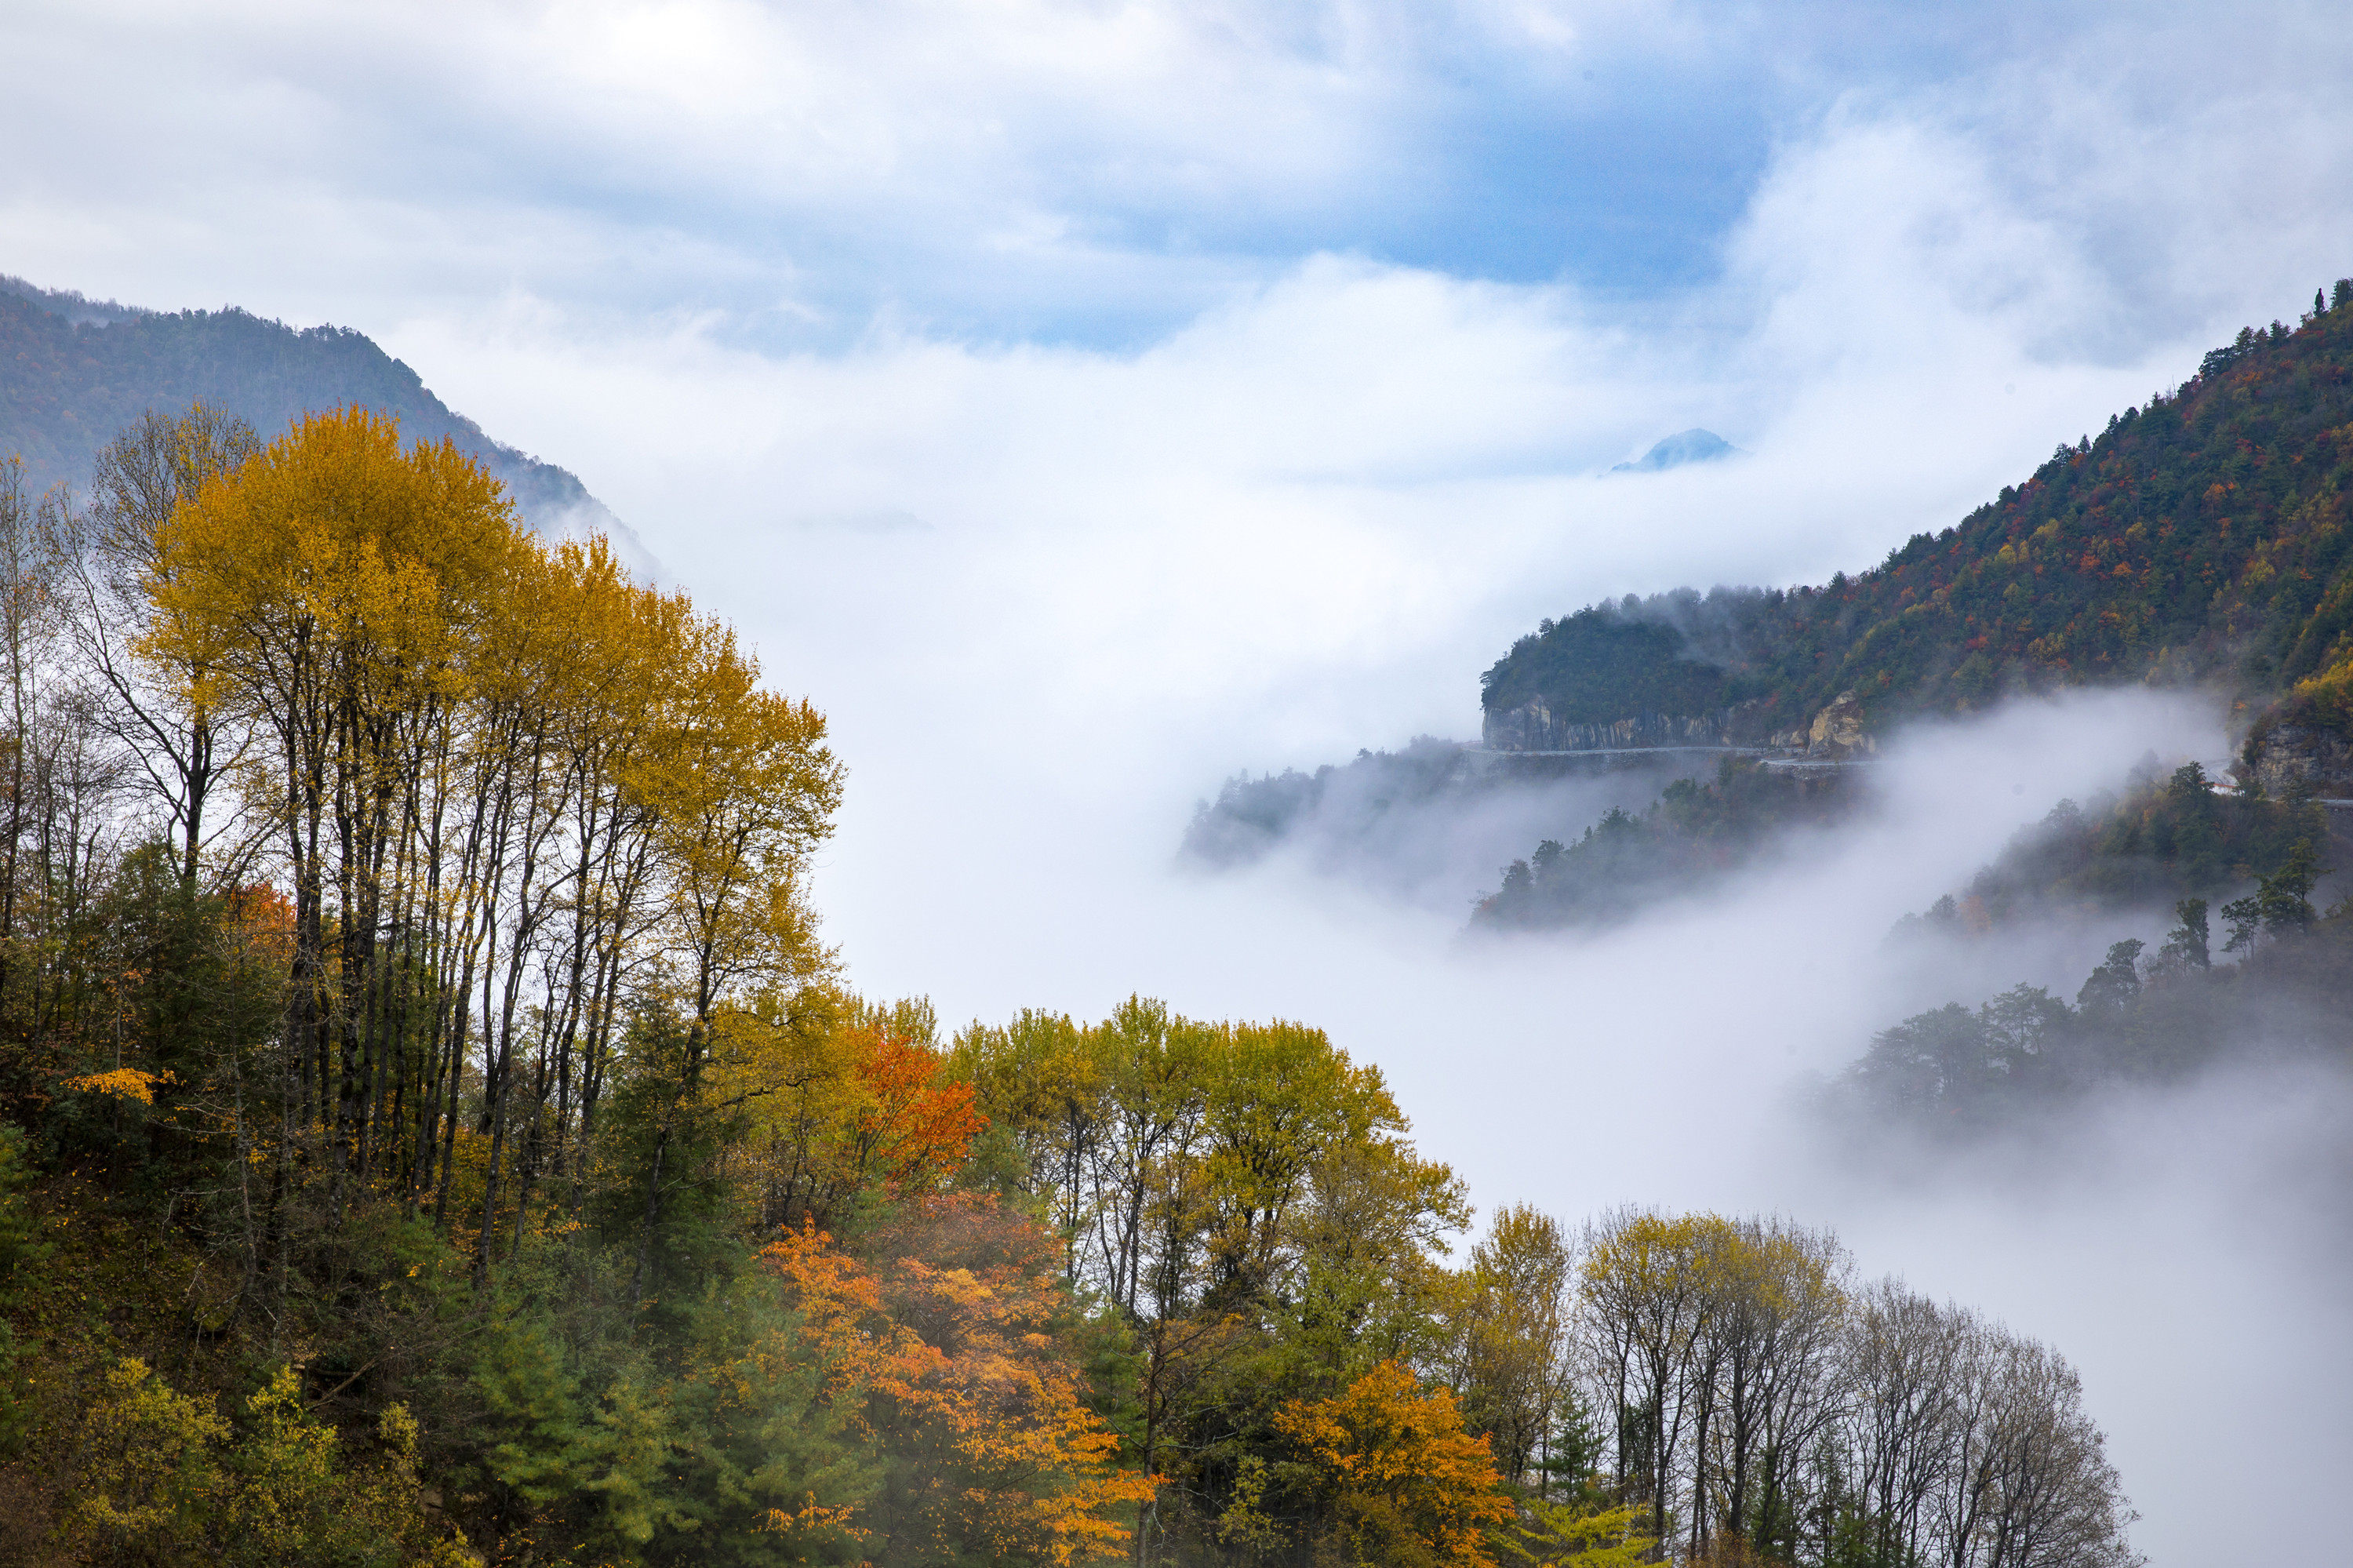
(432, 1131)
(1694, 833)
(72, 372)
(2168, 835)
(2147, 1014)
(2200, 538)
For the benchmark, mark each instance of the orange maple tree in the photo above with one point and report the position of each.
(854, 1107)
(951, 1371)
(912, 1124)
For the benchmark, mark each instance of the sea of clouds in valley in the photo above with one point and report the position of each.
(1064, 517)
(1302, 525)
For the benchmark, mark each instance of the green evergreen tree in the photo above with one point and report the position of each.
(2186, 944)
(2283, 898)
(2116, 982)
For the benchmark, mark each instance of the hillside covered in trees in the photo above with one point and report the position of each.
(74, 371)
(432, 1131)
(2274, 982)
(2199, 537)
(1695, 832)
(2163, 837)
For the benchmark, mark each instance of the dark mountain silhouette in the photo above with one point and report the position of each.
(74, 371)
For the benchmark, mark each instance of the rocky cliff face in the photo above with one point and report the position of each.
(2283, 757)
(1531, 727)
(1838, 733)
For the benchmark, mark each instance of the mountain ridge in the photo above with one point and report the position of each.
(73, 371)
(2199, 538)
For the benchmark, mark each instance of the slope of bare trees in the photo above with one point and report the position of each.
(1759, 1402)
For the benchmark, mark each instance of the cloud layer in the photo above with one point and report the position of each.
(1067, 169)
(1084, 401)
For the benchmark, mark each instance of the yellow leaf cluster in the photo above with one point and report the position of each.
(122, 1084)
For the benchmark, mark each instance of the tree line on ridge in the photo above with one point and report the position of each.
(2199, 537)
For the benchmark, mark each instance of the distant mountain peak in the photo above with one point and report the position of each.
(1694, 445)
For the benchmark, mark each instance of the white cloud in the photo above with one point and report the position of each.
(1027, 166)
(1297, 522)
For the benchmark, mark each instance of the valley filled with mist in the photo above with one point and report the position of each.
(2000, 1019)
(2043, 990)
(1676, 1052)
(1273, 787)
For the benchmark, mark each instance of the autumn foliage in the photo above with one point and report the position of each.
(1397, 1475)
(908, 1122)
(2201, 536)
(840, 1110)
(434, 1132)
(956, 1373)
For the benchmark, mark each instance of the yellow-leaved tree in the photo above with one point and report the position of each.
(165, 1478)
(518, 802)
(1398, 1483)
(343, 597)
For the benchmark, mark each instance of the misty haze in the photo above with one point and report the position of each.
(1285, 787)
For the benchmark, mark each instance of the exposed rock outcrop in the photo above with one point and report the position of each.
(2282, 757)
(1532, 726)
(1838, 731)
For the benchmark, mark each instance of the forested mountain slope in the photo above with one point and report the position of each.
(2147, 1014)
(439, 1139)
(2199, 537)
(73, 372)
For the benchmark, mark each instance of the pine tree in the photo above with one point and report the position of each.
(2186, 944)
